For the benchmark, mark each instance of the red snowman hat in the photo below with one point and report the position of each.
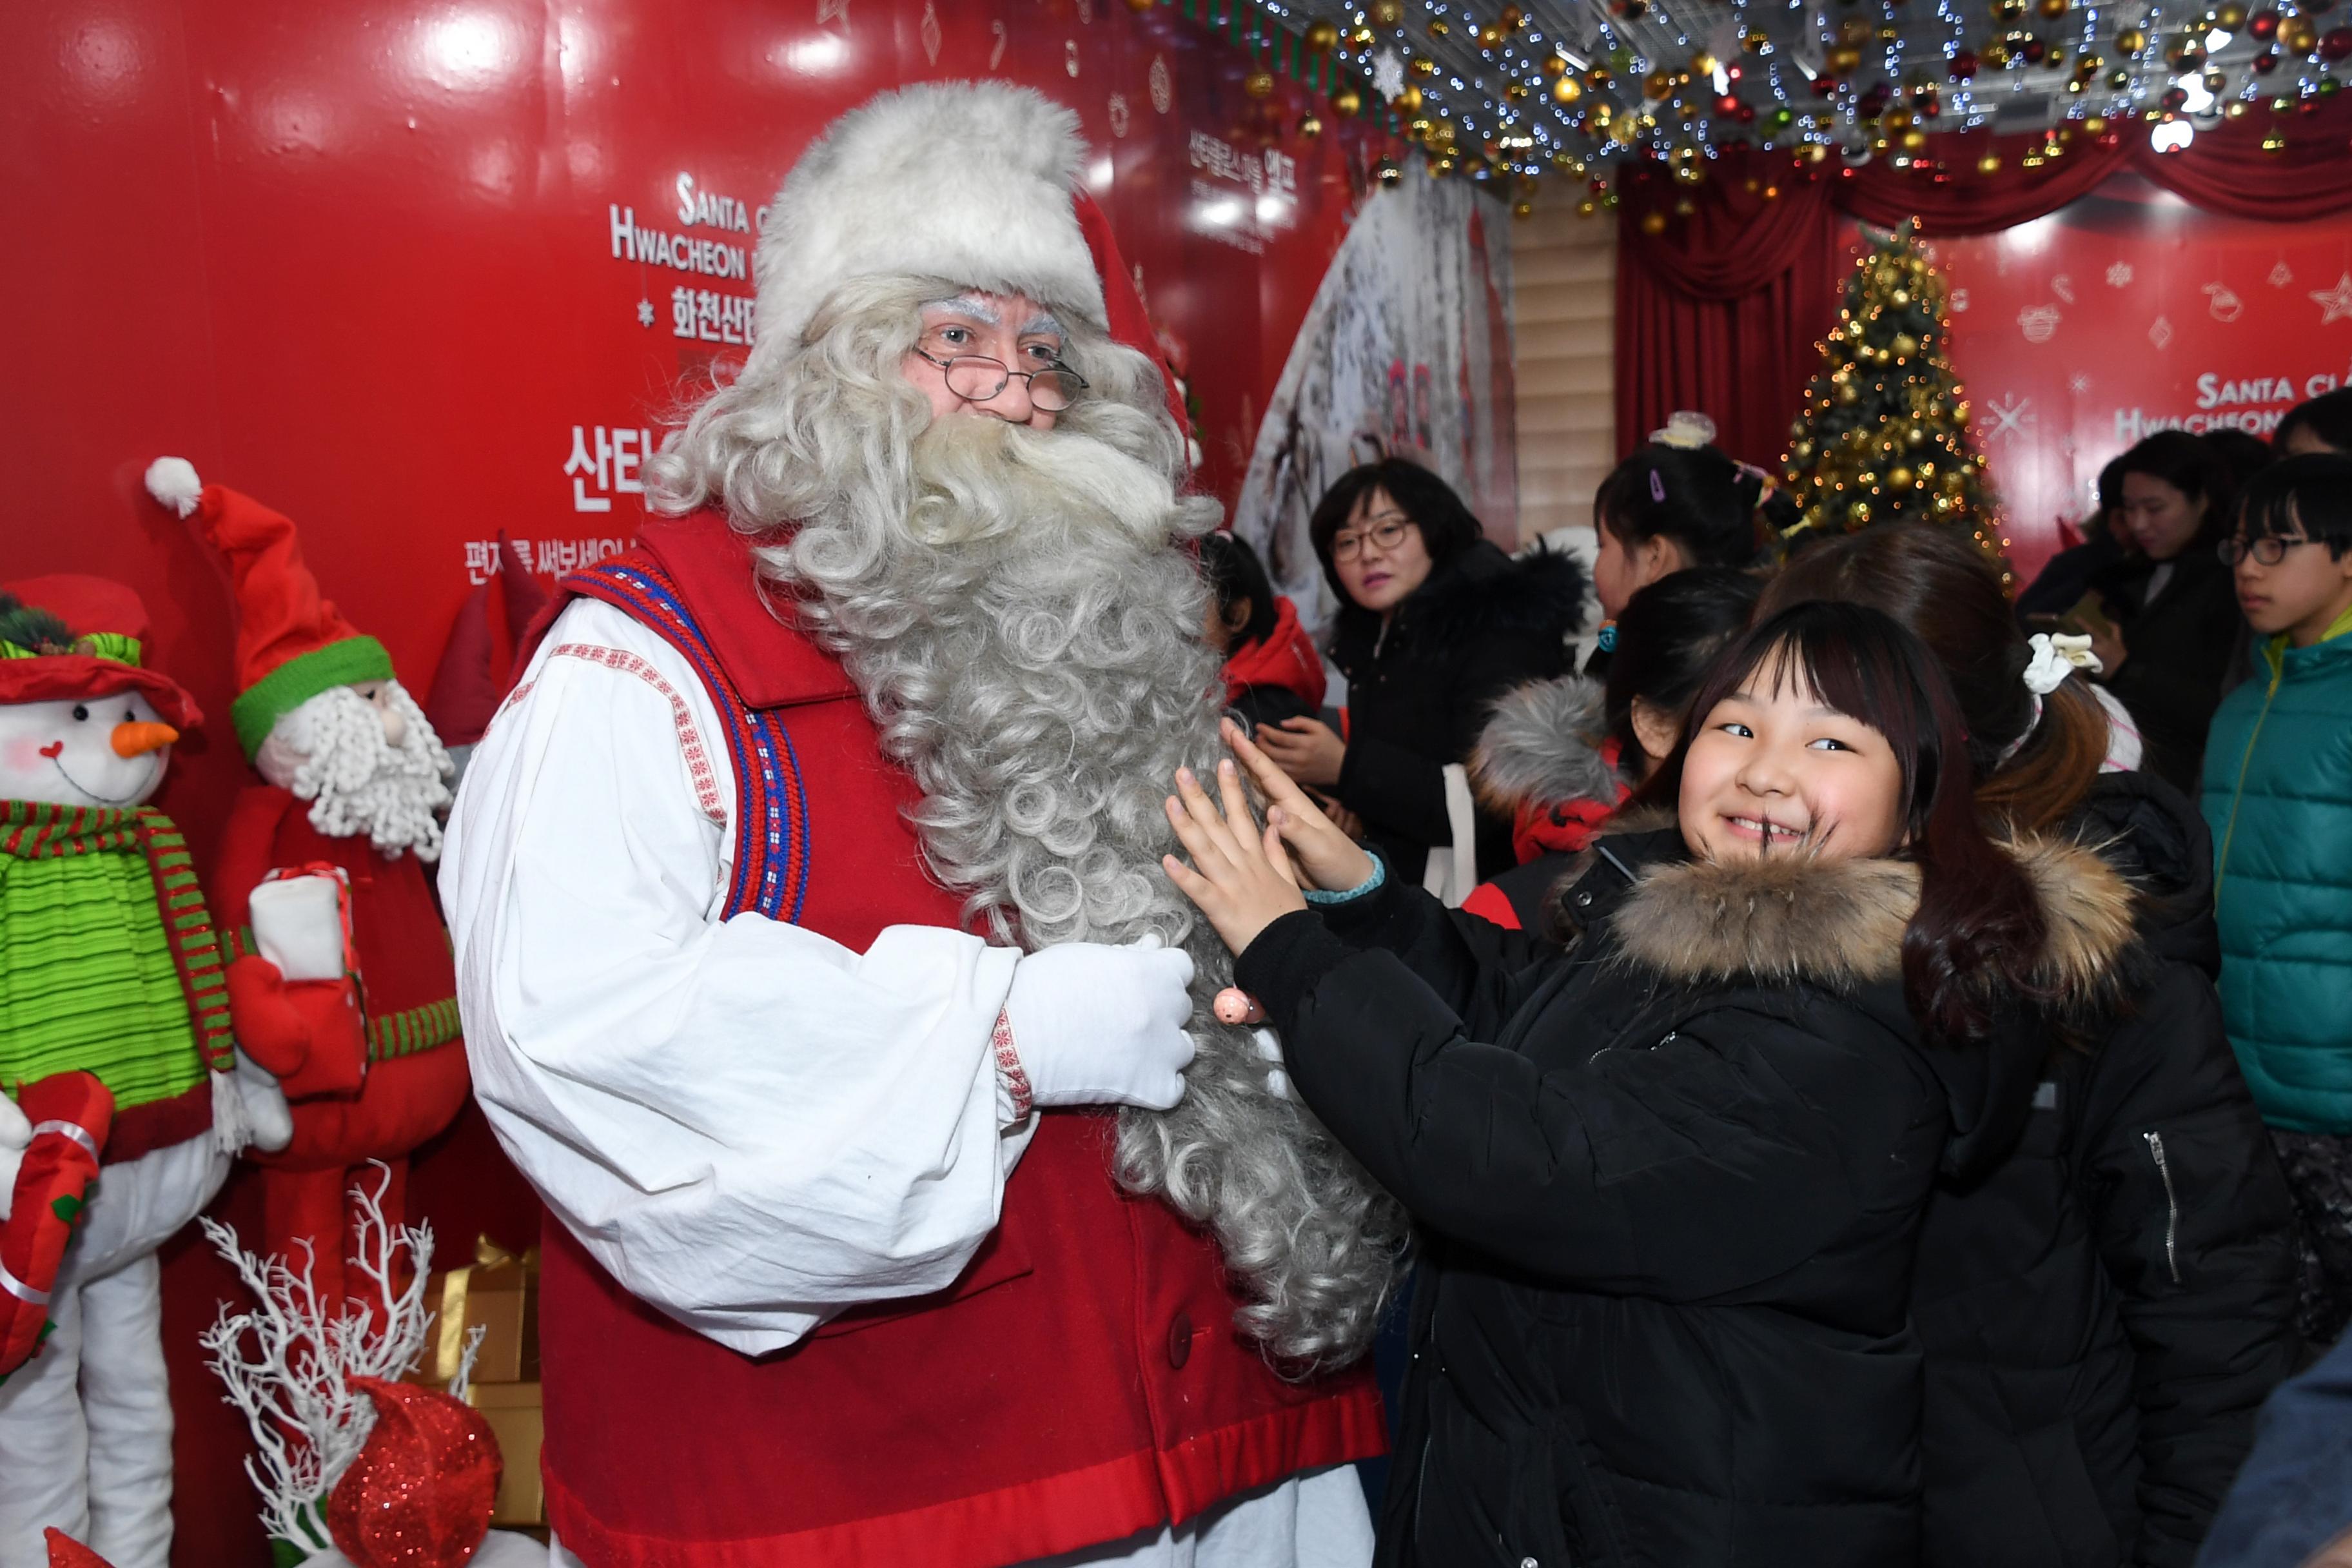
(104, 634)
(291, 642)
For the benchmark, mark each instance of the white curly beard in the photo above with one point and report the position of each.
(332, 751)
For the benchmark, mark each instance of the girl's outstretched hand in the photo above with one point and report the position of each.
(1326, 856)
(1242, 881)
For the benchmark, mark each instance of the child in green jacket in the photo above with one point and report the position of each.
(2278, 794)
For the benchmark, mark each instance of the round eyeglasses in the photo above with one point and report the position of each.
(1385, 534)
(2267, 551)
(976, 379)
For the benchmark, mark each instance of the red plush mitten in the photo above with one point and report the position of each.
(71, 1113)
(307, 1033)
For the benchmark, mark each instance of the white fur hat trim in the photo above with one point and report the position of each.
(969, 182)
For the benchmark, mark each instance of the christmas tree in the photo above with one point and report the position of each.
(1884, 436)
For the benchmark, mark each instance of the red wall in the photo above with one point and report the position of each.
(357, 258)
(2127, 312)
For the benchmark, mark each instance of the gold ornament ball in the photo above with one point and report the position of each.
(1363, 37)
(1490, 37)
(1258, 84)
(1657, 85)
(1512, 18)
(1388, 13)
(1424, 66)
(1905, 346)
(1913, 141)
(1654, 223)
(2298, 36)
(2236, 110)
(1900, 478)
(2095, 125)
(1439, 28)
(1322, 36)
(1347, 101)
(1407, 102)
(2230, 16)
(2131, 40)
(1553, 66)
(2054, 9)
(1310, 125)
(1567, 89)
(1989, 165)
(1842, 60)
(1703, 64)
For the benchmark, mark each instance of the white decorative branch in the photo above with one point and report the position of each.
(287, 1363)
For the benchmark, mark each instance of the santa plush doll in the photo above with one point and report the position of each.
(122, 1098)
(343, 984)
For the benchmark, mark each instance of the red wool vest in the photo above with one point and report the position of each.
(1080, 1381)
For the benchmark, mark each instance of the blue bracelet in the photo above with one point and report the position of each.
(1364, 888)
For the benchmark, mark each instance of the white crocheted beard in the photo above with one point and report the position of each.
(1027, 632)
(332, 751)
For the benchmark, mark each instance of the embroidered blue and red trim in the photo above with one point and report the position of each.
(772, 853)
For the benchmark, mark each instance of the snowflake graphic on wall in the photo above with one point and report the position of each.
(2009, 422)
(2159, 332)
(2280, 275)
(644, 313)
(2119, 276)
(2079, 384)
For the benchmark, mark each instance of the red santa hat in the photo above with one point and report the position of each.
(974, 182)
(291, 642)
(70, 635)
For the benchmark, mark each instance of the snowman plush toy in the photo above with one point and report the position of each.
(122, 1097)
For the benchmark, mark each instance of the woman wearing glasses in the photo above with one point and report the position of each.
(1434, 624)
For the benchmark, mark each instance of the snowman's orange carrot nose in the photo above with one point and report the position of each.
(137, 740)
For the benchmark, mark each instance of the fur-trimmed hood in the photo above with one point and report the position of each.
(1544, 745)
(1479, 592)
(1839, 923)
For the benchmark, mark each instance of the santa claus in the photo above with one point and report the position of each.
(810, 925)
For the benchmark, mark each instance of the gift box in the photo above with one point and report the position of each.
(516, 1418)
(497, 1293)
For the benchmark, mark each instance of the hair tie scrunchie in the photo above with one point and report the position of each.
(2054, 658)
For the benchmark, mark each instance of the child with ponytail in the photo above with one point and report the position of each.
(2105, 1302)
(1669, 1181)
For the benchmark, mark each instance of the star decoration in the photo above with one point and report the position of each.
(1387, 74)
(644, 313)
(2335, 304)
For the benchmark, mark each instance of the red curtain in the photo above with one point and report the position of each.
(1720, 308)
(1720, 311)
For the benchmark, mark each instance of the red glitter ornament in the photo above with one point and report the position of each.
(1965, 64)
(420, 1493)
(2336, 44)
(2263, 24)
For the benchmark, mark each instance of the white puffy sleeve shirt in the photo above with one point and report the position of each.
(750, 1126)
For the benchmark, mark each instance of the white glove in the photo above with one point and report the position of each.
(1096, 1024)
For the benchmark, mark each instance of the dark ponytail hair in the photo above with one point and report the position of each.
(1231, 569)
(1942, 590)
(1695, 496)
(1978, 931)
(1667, 637)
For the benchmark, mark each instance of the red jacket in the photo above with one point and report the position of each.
(417, 1079)
(1082, 1380)
(1284, 657)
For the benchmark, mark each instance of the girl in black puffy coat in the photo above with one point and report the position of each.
(2105, 1304)
(1669, 1183)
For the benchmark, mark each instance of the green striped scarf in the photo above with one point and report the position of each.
(108, 960)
